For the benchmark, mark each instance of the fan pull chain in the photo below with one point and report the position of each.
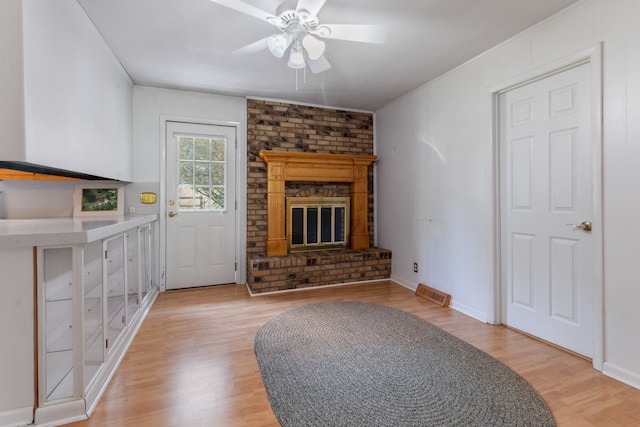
(304, 76)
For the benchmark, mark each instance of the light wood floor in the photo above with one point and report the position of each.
(192, 362)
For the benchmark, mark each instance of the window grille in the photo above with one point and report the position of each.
(202, 170)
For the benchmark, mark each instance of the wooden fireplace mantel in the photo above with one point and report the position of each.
(285, 166)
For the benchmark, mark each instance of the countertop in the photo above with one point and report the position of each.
(21, 233)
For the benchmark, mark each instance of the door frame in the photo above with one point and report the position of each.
(241, 193)
(592, 56)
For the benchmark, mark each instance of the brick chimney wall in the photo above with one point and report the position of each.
(289, 127)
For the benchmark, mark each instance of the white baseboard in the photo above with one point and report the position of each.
(60, 413)
(471, 312)
(402, 282)
(621, 375)
(16, 417)
(454, 305)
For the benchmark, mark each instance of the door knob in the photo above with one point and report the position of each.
(172, 214)
(584, 226)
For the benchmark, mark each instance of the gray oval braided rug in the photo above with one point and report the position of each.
(359, 364)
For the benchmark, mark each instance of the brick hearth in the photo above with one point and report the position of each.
(307, 269)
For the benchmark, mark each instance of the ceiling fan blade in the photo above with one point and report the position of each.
(252, 47)
(353, 32)
(319, 65)
(247, 9)
(311, 6)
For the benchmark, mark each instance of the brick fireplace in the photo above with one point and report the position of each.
(307, 151)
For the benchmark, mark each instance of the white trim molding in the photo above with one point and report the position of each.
(621, 375)
(17, 417)
(241, 191)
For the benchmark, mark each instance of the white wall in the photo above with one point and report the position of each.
(36, 199)
(11, 79)
(436, 145)
(71, 98)
(152, 107)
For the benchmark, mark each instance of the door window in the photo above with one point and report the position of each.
(202, 171)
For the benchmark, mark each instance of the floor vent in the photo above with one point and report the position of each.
(433, 295)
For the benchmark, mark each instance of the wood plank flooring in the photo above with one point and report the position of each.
(192, 362)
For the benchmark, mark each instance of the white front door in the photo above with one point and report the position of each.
(546, 193)
(200, 197)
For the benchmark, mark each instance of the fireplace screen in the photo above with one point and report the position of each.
(317, 222)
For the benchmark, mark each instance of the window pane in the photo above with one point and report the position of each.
(218, 150)
(186, 173)
(202, 170)
(201, 197)
(201, 173)
(297, 224)
(186, 148)
(217, 198)
(325, 225)
(312, 225)
(202, 148)
(217, 173)
(339, 224)
(185, 197)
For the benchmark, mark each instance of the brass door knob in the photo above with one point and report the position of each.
(584, 226)
(172, 214)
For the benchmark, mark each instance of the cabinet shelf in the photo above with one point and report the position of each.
(62, 294)
(116, 306)
(63, 342)
(59, 378)
(58, 274)
(59, 325)
(94, 293)
(93, 323)
(64, 388)
(93, 286)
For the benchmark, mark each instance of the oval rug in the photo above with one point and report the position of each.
(359, 364)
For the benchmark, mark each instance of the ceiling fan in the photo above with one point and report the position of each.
(301, 31)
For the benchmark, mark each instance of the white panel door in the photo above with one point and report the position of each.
(546, 190)
(200, 198)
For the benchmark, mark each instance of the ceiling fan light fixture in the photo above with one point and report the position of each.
(296, 58)
(315, 48)
(278, 44)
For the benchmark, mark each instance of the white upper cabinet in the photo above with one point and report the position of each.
(66, 101)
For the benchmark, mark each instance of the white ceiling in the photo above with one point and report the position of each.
(187, 44)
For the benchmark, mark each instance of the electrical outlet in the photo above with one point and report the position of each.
(415, 267)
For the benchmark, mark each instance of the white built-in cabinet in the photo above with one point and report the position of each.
(91, 298)
(66, 101)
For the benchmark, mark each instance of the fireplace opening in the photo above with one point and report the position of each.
(317, 223)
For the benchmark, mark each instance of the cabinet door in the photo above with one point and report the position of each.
(115, 274)
(56, 324)
(133, 273)
(93, 339)
(147, 265)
